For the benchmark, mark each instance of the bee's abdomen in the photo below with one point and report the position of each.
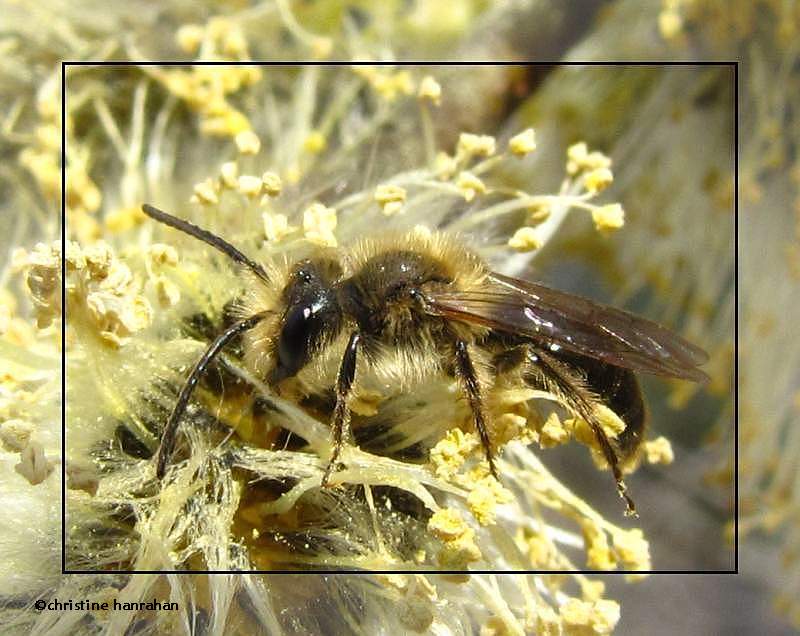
(619, 390)
(615, 387)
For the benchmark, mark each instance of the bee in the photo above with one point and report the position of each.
(420, 304)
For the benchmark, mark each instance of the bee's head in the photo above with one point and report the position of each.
(312, 315)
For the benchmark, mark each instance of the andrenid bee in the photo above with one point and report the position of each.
(421, 304)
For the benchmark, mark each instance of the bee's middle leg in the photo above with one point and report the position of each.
(340, 424)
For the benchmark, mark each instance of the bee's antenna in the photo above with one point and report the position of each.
(207, 237)
(171, 429)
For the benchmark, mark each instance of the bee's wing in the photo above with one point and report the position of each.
(576, 324)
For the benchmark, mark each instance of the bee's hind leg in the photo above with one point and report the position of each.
(469, 380)
(560, 379)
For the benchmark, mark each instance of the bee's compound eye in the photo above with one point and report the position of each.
(304, 324)
(299, 327)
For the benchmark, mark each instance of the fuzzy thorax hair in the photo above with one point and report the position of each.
(406, 352)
